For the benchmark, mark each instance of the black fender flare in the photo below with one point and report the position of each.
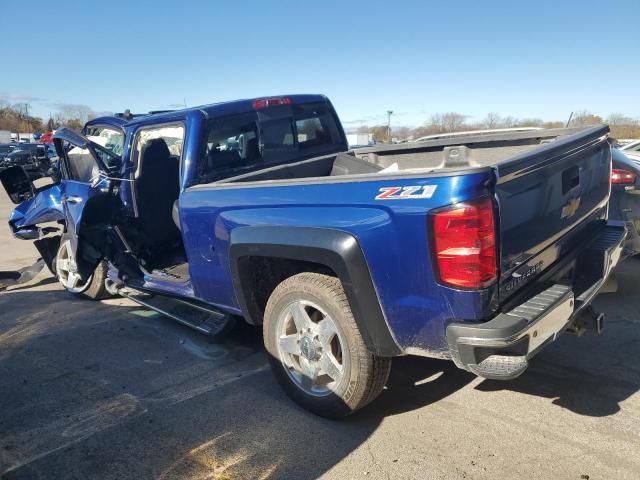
(336, 249)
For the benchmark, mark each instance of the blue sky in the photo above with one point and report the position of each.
(525, 59)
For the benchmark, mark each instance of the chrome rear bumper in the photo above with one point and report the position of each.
(501, 347)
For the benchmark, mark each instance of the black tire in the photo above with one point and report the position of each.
(367, 374)
(96, 289)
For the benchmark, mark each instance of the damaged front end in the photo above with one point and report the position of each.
(38, 216)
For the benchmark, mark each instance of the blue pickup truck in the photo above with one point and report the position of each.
(477, 249)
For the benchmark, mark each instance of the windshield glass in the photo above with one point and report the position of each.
(103, 149)
(22, 148)
(114, 139)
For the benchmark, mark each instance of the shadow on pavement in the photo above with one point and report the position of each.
(110, 391)
(593, 374)
(96, 390)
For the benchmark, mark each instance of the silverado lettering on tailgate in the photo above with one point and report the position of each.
(522, 275)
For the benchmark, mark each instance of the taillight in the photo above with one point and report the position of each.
(622, 177)
(464, 239)
(271, 102)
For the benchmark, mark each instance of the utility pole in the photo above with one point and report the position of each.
(569, 121)
(389, 113)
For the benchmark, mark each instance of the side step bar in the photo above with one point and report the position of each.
(202, 318)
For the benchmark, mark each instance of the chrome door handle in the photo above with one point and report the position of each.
(72, 199)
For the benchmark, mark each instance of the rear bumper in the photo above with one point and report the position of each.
(501, 347)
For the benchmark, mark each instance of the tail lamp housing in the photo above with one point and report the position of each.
(464, 244)
(622, 177)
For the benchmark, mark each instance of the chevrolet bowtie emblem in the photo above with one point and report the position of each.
(570, 209)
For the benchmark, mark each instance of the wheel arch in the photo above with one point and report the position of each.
(285, 251)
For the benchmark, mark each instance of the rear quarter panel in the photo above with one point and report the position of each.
(392, 234)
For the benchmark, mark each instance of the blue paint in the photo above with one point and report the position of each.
(393, 233)
(45, 206)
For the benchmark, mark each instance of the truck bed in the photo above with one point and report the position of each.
(448, 155)
(462, 151)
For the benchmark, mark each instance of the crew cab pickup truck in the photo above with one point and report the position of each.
(478, 249)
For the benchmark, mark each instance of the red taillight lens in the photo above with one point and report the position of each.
(464, 238)
(622, 177)
(271, 102)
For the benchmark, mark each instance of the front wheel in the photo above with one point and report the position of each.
(316, 350)
(67, 273)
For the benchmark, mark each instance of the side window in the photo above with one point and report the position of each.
(81, 166)
(158, 144)
(231, 146)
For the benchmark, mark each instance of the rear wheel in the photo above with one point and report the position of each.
(67, 273)
(316, 350)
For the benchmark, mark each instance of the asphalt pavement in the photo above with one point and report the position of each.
(110, 390)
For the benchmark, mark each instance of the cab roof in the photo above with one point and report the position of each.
(210, 111)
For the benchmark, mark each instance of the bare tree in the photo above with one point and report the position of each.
(530, 122)
(447, 122)
(379, 133)
(619, 119)
(492, 120)
(509, 122)
(75, 111)
(401, 133)
(585, 117)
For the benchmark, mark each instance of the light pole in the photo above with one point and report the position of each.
(389, 113)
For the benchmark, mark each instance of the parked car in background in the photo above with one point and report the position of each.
(632, 149)
(35, 158)
(5, 149)
(625, 197)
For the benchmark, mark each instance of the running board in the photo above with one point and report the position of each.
(202, 318)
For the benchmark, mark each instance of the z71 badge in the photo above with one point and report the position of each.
(406, 193)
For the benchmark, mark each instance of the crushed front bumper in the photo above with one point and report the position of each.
(500, 348)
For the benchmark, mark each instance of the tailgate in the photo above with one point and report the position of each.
(549, 199)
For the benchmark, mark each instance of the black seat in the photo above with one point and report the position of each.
(157, 188)
(251, 150)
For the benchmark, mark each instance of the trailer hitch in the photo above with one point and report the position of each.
(587, 319)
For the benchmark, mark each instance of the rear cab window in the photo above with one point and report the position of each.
(247, 142)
